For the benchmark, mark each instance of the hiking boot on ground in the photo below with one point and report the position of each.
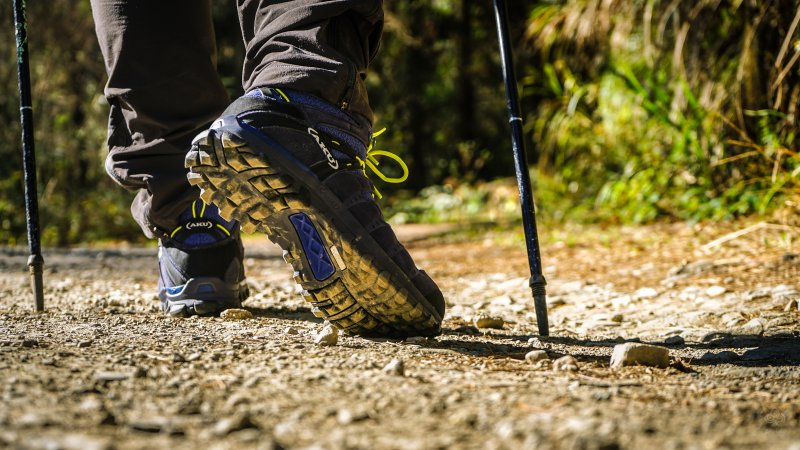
(200, 264)
(294, 167)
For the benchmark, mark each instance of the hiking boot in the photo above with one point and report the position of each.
(200, 264)
(294, 167)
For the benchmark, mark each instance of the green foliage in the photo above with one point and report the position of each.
(647, 109)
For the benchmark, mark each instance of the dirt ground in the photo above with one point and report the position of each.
(101, 368)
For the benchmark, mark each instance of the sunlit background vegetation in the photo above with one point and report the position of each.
(635, 111)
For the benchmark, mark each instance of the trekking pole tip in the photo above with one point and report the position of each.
(537, 283)
(35, 267)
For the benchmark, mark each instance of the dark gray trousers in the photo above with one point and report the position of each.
(163, 86)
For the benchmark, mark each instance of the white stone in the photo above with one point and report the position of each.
(716, 291)
(535, 356)
(754, 327)
(645, 292)
(632, 353)
(566, 364)
(395, 367)
(328, 336)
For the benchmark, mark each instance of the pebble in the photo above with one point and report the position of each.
(720, 357)
(28, 343)
(645, 293)
(70, 442)
(791, 306)
(566, 364)
(328, 336)
(618, 318)
(111, 376)
(395, 367)
(236, 314)
(228, 425)
(755, 327)
(84, 344)
(291, 331)
(783, 290)
(716, 291)
(346, 417)
(487, 321)
(148, 426)
(535, 356)
(419, 340)
(630, 354)
(675, 339)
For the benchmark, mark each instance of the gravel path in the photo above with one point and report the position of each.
(101, 368)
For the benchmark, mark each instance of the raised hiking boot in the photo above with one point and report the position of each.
(200, 264)
(294, 167)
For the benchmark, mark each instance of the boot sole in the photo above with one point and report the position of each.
(347, 277)
(202, 296)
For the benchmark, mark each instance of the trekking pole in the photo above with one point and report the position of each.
(537, 281)
(35, 261)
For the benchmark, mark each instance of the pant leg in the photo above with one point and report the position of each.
(319, 47)
(162, 89)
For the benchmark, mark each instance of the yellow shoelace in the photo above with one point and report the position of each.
(371, 162)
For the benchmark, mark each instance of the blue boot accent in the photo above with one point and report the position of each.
(314, 249)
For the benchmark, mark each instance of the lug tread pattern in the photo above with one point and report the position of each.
(362, 299)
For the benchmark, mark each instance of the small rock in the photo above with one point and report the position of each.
(419, 340)
(645, 293)
(755, 327)
(111, 376)
(487, 321)
(148, 426)
(28, 343)
(346, 417)
(292, 331)
(630, 354)
(783, 290)
(178, 358)
(716, 291)
(467, 329)
(791, 306)
(535, 356)
(91, 404)
(236, 314)
(618, 318)
(228, 425)
(720, 357)
(70, 442)
(328, 336)
(675, 339)
(34, 420)
(566, 364)
(395, 367)
(84, 344)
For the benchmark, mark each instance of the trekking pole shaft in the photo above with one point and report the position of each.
(537, 281)
(35, 261)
